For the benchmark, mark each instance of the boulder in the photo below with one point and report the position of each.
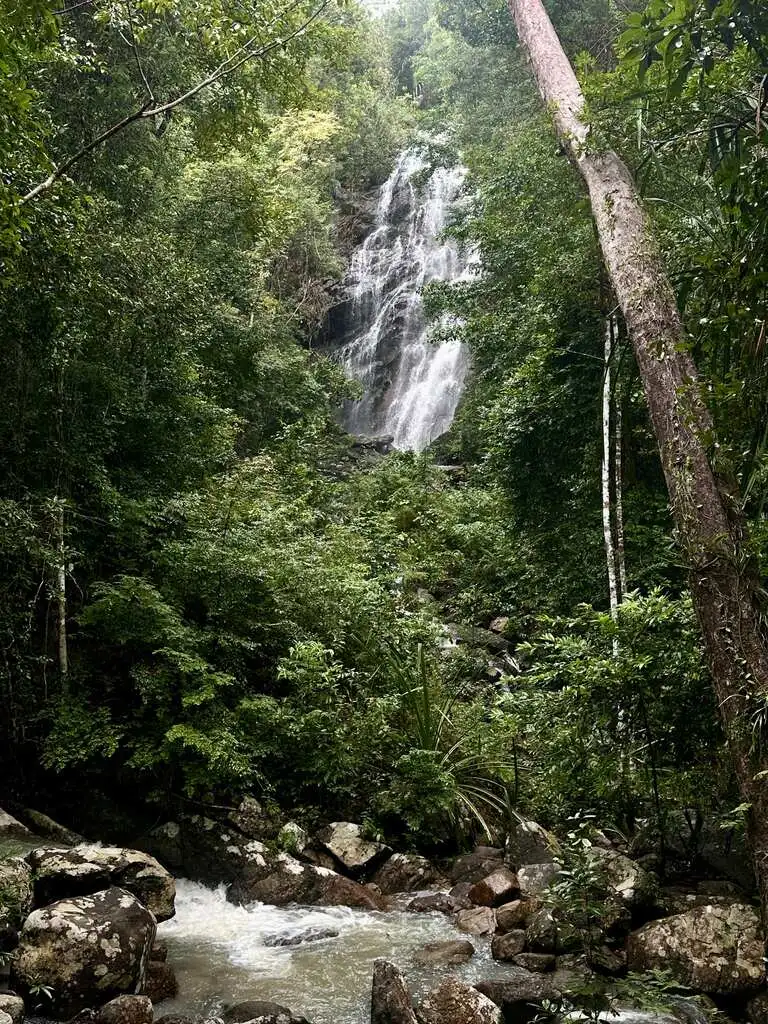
(90, 868)
(160, 982)
(13, 1006)
(472, 867)
(10, 828)
(292, 838)
(495, 889)
(519, 995)
(713, 949)
(508, 945)
(283, 879)
(87, 950)
(460, 891)
(254, 821)
(390, 999)
(604, 960)
(635, 886)
(516, 914)
(299, 938)
(404, 872)
(50, 829)
(535, 878)
(456, 1003)
(440, 902)
(451, 953)
(346, 844)
(540, 963)
(159, 952)
(4, 1018)
(542, 932)
(126, 1010)
(529, 843)
(476, 921)
(500, 624)
(259, 1011)
(15, 900)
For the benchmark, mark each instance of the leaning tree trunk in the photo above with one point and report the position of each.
(707, 517)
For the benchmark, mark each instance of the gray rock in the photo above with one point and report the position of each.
(717, 950)
(282, 879)
(126, 1010)
(15, 899)
(535, 878)
(540, 963)
(357, 855)
(508, 945)
(390, 999)
(516, 914)
(5, 1018)
(299, 938)
(292, 838)
(10, 828)
(541, 933)
(254, 821)
(261, 1012)
(635, 886)
(404, 872)
(456, 1003)
(450, 953)
(13, 1006)
(437, 902)
(495, 889)
(87, 950)
(529, 843)
(520, 994)
(159, 952)
(50, 829)
(476, 921)
(472, 867)
(90, 868)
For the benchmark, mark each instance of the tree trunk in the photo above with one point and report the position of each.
(706, 514)
(61, 599)
(610, 550)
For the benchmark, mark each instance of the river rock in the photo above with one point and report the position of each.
(495, 889)
(390, 999)
(299, 938)
(257, 1011)
(519, 993)
(160, 982)
(357, 855)
(472, 867)
(15, 899)
(126, 1010)
(542, 932)
(529, 843)
(456, 1003)
(476, 921)
(437, 902)
(13, 1006)
(717, 950)
(292, 838)
(50, 829)
(540, 963)
(159, 952)
(516, 914)
(10, 828)
(5, 1018)
(636, 887)
(88, 949)
(404, 872)
(90, 868)
(283, 879)
(535, 878)
(508, 945)
(450, 953)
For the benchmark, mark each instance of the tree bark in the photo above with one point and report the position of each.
(709, 526)
(605, 476)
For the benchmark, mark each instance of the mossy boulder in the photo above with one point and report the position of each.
(15, 899)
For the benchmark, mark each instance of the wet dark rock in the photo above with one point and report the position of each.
(127, 1009)
(456, 1003)
(87, 950)
(495, 889)
(261, 1012)
(160, 982)
(535, 878)
(441, 902)
(49, 829)
(540, 963)
(472, 867)
(390, 999)
(529, 843)
(90, 868)
(519, 995)
(159, 952)
(253, 820)
(450, 953)
(282, 879)
(542, 933)
(605, 960)
(460, 891)
(298, 939)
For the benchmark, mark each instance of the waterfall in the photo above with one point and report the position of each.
(411, 385)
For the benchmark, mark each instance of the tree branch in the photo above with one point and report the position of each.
(241, 56)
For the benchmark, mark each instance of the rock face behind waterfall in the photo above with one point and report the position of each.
(411, 385)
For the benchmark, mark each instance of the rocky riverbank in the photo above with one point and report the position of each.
(78, 922)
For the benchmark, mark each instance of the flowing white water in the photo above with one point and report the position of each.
(412, 386)
(220, 955)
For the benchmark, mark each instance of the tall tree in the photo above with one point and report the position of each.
(706, 508)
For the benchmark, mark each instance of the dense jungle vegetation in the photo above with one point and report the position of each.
(205, 590)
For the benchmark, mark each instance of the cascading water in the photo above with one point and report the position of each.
(411, 385)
